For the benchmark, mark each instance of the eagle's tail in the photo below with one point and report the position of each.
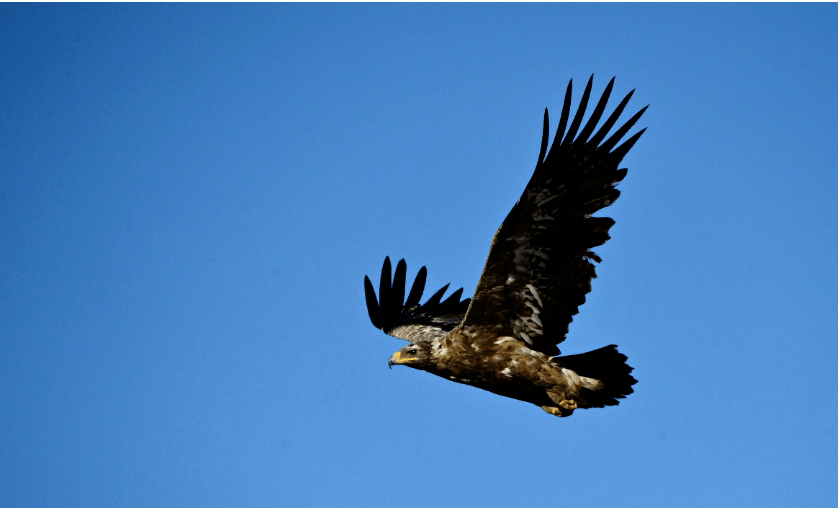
(607, 366)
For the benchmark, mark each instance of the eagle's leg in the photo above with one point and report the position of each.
(566, 408)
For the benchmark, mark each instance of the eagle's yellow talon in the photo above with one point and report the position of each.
(568, 404)
(556, 411)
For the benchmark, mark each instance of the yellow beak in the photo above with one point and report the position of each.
(397, 358)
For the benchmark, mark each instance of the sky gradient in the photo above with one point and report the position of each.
(190, 196)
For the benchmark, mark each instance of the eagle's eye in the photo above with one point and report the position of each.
(412, 351)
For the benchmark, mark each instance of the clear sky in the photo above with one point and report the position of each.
(191, 195)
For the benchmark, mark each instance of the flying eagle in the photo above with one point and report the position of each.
(539, 270)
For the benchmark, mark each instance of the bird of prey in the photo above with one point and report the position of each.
(538, 272)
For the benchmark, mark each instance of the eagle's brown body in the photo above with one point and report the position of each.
(509, 368)
(505, 367)
(539, 270)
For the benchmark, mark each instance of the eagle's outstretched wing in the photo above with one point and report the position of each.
(410, 320)
(540, 264)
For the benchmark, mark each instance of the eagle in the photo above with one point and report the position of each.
(538, 273)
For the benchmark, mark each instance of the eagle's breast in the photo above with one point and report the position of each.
(498, 365)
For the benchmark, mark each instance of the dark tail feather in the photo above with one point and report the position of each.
(609, 367)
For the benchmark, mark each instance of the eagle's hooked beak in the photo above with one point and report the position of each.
(399, 359)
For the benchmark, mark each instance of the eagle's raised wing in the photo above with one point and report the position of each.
(410, 320)
(540, 264)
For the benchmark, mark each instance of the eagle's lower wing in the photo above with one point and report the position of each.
(410, 320)
(540, 264)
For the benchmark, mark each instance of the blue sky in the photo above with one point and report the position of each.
(190, 196)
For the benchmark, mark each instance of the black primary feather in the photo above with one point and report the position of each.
(578, 118)
(597, 113)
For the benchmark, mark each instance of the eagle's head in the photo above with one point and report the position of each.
(416, 355)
